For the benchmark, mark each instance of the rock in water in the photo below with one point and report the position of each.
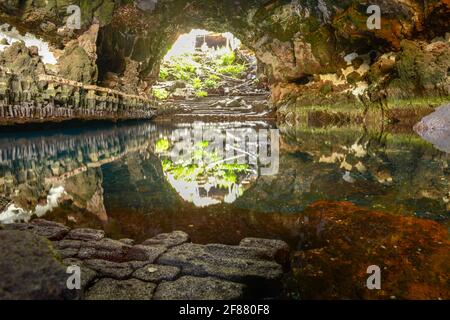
(28, 268)
(435, 128)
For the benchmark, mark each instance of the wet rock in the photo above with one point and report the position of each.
(194, 288)
(110, 289)
(277, 250)
(145, 253)
(110, 269)
(86, 234)
(156, 273)
(29, 269)
(106, 249)
(227, 262)
(168, 239)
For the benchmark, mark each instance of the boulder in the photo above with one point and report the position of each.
(29, 269)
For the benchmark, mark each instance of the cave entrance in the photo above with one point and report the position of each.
(203, 64)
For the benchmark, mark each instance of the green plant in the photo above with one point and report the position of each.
(160, 93)
(233, 70)
(201, 94)
(164, 73)
(211, 84)
(227, 59)
(197, 83)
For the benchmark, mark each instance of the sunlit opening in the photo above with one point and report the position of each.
(205, 41)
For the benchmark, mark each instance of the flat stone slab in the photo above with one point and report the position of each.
(145, 253)
(50, 230)
(276, 249)
(226, 262)
(110, 269)
(156, 273)
(168, 240)
(111, 289)
(86, 234)
(105, 249)
(195, 288)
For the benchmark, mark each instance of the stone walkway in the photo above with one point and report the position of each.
(165, 267)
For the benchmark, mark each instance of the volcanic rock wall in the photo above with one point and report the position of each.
(29, 93)
(310, 51)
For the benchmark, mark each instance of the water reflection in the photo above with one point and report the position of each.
(158, 170)
(343, 198)
(209, 164)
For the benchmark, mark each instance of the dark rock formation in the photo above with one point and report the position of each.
(29, 269)
(29, 94)
(312, 52)
(164, 267)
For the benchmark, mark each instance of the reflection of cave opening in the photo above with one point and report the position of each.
(213, 164)
(203, 63)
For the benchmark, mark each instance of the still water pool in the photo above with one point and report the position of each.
(335, 193)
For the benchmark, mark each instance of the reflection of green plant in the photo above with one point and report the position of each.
(162, 145)
(160, 94)
(203, 165)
